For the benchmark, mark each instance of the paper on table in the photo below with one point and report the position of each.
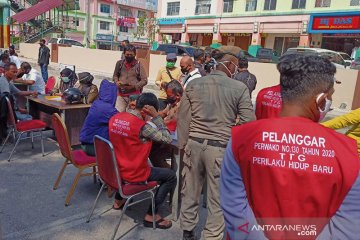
(53, 98)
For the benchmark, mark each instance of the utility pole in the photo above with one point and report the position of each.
(88, 24)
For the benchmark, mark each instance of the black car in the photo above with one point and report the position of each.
(263, 55)
(177, 49)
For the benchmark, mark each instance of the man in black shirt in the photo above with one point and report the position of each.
(199, 60)
(245, 76)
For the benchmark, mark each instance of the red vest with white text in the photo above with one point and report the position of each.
(131, 153)
(268, 103)
(295, 171)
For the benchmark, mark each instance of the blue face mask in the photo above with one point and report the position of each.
(65, 79)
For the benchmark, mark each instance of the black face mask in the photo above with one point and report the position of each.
(129, 59)
(184, 70)
(171, 100)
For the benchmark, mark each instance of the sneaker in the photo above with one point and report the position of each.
(188, 235)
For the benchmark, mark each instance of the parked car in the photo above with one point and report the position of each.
(249, 57)
(267, 55)
(355, 64)
(177, 49)
(66, 41)
(333, 56)
(346, 57)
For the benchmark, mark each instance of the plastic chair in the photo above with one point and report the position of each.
(19, 128)
(76, 157)
(50, 84)
(109, 174)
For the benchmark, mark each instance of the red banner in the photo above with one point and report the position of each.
(336, 23)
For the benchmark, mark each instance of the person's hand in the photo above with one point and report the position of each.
(165, 112)
(127, 88)
(163, 85)
(34, 94)
(150, 110)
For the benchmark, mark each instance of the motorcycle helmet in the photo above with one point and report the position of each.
(72, 96)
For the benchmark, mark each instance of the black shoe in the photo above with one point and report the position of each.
(188, 235)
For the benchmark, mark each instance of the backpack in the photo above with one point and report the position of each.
(137, 69)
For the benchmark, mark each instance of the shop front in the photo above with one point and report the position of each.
(338, 32)
(171, 29)
(236, 32)
(106, 42)
(201, 32)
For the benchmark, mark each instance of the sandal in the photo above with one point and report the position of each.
(119, 208)
(157, 224)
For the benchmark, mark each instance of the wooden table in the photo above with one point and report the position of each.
(73, 115)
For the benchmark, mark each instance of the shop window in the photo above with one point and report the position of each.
(228, 6)
(76, 22)
(124, 29)
(104, 8)
(124, 12)
(270, 5)
(322, 3)
(141, 14)
(251, 5)
(202, 7)
(173, 8)
(104, 25)
(355, 3)
(298, 4)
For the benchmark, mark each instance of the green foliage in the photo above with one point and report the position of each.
(146, 27)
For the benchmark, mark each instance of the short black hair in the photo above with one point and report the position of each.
(4, 56)
(126, 41)
(175, 86)
(130, 48)
(303, 76)
(147, 99)
(25, 65)
(8, 65)
(43, 40)
(198, 54)
(243, 62)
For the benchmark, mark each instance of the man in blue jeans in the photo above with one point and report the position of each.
(43, 59)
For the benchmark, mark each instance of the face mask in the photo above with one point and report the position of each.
(170, 64)
(324, 111)
(184, 71)
(129, 59)
(232, 75)
(171, 100)
(65, 79)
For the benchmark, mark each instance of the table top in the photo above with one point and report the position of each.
(61, 105)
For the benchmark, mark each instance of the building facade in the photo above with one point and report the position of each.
(251, 24)
(110, 21)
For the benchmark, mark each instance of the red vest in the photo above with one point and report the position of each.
(294, 168)
(268, 103)
(131, 153)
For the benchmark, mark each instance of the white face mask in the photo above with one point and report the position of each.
(232, 75)
(324, 111)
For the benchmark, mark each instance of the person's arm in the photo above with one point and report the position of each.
(346, 221)
(233, 200)
(56, 88)
(25, 82)
(116, 70)
(143, 78)
(47, 55)
(245, 109)
(345, 120)
(182, 127)
(93, 94)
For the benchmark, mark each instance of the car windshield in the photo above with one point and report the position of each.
(345, 56)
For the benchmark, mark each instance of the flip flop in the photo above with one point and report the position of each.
(157, 224)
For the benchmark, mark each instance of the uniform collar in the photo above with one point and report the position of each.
(217, 72)
(135, 113)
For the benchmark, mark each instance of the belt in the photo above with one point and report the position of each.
(213, 143)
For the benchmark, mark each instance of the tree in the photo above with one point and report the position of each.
(146, 27)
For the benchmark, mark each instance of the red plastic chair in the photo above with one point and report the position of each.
(50, 84)
(76, 157)
(19, 128)
(109, 174)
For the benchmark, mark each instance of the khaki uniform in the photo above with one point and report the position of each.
(208, 111)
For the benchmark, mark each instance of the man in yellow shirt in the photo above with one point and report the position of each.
(165, 75)
(350, 119)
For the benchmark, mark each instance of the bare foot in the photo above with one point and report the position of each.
(118, 204)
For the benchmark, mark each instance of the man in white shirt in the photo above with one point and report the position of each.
(188, 68)
(15, 60)
(32, 78)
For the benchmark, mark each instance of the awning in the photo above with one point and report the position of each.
(36, 10)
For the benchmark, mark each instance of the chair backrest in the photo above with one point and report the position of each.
(10, 117)
(106, 163)
(50, 84)
(62, 136)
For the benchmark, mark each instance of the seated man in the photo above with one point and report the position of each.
(291, 170)
(31, 77)
(97, 120)
(6, 85)
(160, 151)
(132, 138)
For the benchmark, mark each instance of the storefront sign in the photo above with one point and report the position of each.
(105, 37)
(235, 34)
(126, 22)
(341, 23)
(170, 21)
